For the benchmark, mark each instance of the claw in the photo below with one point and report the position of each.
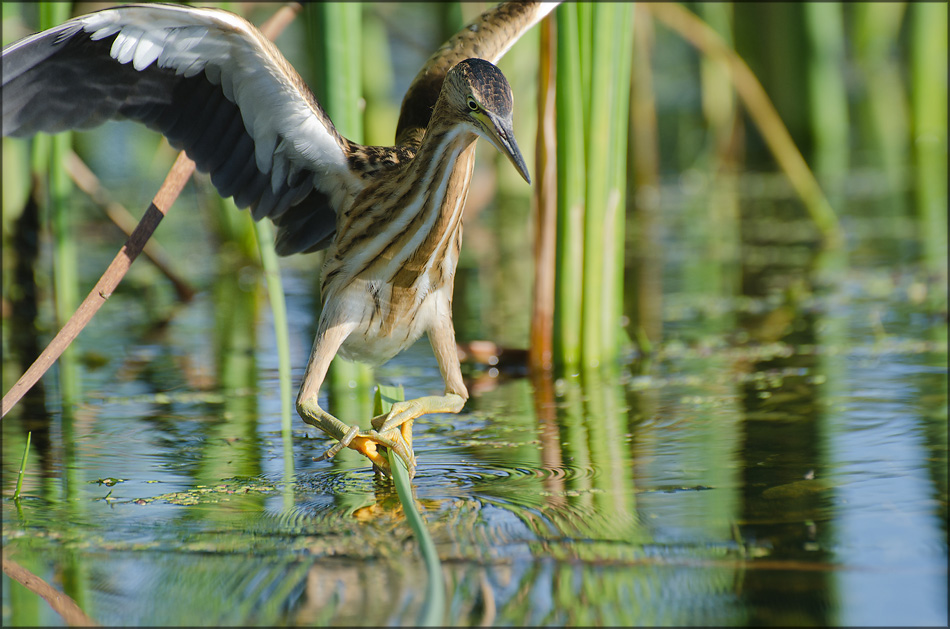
(333, 450)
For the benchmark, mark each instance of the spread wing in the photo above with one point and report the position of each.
(488, 37)
(212, 84)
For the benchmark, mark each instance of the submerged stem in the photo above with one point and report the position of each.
(433, 608)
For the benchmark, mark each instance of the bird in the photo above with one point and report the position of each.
(389, 217)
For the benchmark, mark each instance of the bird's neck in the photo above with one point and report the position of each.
(441, 172)
(406, 232)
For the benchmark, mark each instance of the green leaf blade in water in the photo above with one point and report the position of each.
(19, 480)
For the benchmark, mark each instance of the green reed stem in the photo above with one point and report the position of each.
(275, 291)
(433, 607)
(335, 28)
(585, 20)
(719, 102)
(928, 57)
(828, 96)
(19, 479)
(65, 258)
(620, 21)
(66, 290)
(568, 295)
(593, 97)
(876, 29)
(381, 113)
(597, 66)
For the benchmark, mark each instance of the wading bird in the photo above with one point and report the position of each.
(390, 217)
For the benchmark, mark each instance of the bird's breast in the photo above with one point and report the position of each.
(388, 319)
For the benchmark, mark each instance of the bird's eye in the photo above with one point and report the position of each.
(472, 104)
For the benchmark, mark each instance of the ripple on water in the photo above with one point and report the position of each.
(552, 502)
(478, 508)
(489, 470)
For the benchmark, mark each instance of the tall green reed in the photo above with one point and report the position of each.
(717, 234)
(718, 95)
(54, 151)
(569, 260)
(928, 65)
(593, 79)
(883, 113)
(827, 88)
(66, 291)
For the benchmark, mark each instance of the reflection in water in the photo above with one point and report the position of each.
(699, 492)
(786, 497)
(230, 447)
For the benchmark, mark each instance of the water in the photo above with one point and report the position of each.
(780, 461)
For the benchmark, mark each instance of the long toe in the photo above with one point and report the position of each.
(368, 444)
(333, 450)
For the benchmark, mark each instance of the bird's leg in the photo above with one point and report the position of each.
(402, 414)
(329, 338)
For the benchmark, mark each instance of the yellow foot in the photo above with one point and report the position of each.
(372, 444)
(404, 413)
(392, 430)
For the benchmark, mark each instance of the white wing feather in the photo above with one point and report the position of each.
(250, 72)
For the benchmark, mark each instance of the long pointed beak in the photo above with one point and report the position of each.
(501, 135)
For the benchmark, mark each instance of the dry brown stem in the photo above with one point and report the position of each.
(87, 181)
(60, 602)
(760, 109)
(541, 352)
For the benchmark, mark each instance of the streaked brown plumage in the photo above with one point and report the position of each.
(391, 216)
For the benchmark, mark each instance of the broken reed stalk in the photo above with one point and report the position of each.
(169, 191)
(87, 181)
(174, 182)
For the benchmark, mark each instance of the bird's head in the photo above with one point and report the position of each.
(481, 96)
